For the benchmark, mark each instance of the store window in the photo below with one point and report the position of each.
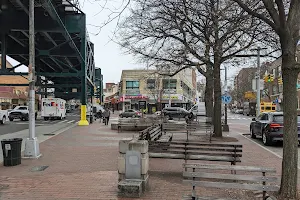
(132, 84)
(150, 83)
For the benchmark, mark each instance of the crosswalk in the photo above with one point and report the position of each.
(73, 114)
(239, 118)
(47, 123)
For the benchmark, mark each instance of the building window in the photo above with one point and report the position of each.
(150, 83)
(132, 85)
(173, 83)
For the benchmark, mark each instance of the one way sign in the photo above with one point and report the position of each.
(226, 98)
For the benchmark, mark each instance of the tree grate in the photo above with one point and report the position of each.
(39, 168)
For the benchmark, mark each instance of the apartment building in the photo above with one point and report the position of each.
(148, 89)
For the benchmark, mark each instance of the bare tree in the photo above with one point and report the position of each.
(200, 33)
(154, 87)
(283, 17)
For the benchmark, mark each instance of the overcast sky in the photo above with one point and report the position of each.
(108, 55)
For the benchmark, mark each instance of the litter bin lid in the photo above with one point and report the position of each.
(12, 140)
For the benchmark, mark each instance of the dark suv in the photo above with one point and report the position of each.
(176, 112)
(269, 126)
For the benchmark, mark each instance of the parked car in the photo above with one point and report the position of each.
(157, 113)
(20, 112)
(177, 112)
(3, 116)
(130, 113)
(269, 126)
(239, 111)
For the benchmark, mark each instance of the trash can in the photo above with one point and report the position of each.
(11, 149)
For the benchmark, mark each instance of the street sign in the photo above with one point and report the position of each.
(226, 98)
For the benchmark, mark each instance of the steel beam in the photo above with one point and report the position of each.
(11, 84)
(50, 74)
(48, 6)
(17, 41)
(58, 85)
(3, 51)
(8, 73)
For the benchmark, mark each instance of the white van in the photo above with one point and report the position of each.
(198, 109)
(53, 108)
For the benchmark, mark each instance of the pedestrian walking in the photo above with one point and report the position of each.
(106, 115)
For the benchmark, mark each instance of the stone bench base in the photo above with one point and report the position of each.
(130, 188)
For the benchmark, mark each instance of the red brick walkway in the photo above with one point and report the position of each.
(83, 165)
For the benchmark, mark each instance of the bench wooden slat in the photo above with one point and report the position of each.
(167, 150)
(228, 167)
(208, 144)
(229, 176)
(232, 185)
(194, 157)
(171, 146)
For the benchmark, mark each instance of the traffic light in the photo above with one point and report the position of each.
(266, 78)
(280, 82)
(271, 78)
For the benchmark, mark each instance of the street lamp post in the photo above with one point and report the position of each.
(31, 144)
(225, 125)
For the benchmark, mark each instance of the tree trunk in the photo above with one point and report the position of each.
(288, 189)
(209, 91)
(217, 101)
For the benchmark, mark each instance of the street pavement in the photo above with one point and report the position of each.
(82, 164)
(18, 125)
(242, 127)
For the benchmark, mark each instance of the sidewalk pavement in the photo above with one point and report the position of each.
(82, 164)
(39, 132)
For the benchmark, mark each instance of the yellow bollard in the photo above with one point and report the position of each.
(83, 121)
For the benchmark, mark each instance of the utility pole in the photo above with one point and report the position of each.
(258, 81)
(225, 125)
(169, 87)
(31, 144)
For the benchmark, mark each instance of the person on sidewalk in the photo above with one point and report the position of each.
(106, 115)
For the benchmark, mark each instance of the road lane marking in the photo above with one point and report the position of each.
(279, 156)
(62, 121)
(69, 122)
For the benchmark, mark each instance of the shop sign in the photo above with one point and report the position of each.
(133, 97)
(174, 97)
(136, 97)
(132, 91)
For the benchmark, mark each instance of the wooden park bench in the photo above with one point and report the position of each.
(173, 127)
(123, 122)
(196, 151)
(154, 133)
(210, 178)
(199, 129)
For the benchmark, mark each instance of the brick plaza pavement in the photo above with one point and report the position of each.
(83, 165)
